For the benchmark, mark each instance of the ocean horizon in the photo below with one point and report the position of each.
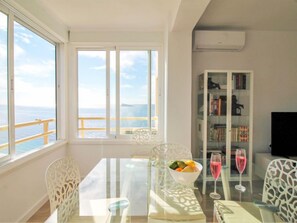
(28, 114)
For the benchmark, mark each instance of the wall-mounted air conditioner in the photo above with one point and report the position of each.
(218, 40)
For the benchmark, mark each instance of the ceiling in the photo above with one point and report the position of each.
(250, 15)
(112, 14)
(152, 15)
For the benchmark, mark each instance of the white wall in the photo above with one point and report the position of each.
(273, 58)
(23, 188)
(178, 95)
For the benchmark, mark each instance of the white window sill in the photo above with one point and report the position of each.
(17, 161)
(101, 142)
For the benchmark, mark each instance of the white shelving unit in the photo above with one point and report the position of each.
(224, 123)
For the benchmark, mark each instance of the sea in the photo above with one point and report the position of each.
(29, 114)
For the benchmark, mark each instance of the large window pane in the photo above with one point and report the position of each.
(35, 89)
(113, 92)
(3, 86)
(154, 89)
(133, 90)
(92, 94)
(117, 92)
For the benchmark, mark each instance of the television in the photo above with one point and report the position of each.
(284, 134)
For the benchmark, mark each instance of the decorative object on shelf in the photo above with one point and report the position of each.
(212, 85)
(236, 108)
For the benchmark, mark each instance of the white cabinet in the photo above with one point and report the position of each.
(224, 123)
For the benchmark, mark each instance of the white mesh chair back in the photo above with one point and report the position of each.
(162, 154)
(280, 188)
(145, 136)
(62, 181)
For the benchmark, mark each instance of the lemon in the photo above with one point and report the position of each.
(188, 169)
(190, 163)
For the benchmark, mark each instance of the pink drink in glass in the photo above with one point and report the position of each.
(240, 159)
(240, 163)
(215, 168)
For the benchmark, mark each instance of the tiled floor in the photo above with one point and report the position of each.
(205, 201)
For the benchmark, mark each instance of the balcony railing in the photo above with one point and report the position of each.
(127, 130)
(46, 132)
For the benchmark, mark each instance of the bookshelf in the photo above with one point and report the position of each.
(224, 119)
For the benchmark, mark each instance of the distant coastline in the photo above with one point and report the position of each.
(126, 105)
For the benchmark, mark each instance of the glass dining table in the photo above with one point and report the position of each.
(130, 190)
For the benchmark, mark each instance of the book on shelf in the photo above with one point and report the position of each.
(216, 105)
(239, 81)
(240, 134)
(217, 133)
(243, 133)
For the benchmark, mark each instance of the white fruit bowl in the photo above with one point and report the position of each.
(186, 178)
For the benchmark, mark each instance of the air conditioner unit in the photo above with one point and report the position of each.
(218, 40)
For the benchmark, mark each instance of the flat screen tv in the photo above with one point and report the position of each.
(284, 134)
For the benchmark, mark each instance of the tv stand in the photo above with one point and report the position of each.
(261, 163)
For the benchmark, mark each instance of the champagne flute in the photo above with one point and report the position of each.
(240, 158)
(215, 168)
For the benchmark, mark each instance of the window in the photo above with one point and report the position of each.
(3, 86)
(27, 88)
(117, 92)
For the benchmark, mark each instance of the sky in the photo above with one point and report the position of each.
(92, 78)
(34, 69)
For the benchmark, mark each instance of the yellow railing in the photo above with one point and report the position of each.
(45, 134)
(82, 127)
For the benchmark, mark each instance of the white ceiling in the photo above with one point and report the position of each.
(153, 15)
(112, 14)
(250, 15)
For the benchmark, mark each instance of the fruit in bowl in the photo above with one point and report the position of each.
(185, 171)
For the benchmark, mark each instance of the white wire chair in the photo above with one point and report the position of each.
(62, 181)
(280, 188)
(145, 136)
(279, 197)
(162, 155)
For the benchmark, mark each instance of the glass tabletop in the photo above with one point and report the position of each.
(131, 190)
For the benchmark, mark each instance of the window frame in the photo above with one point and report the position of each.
(14, 15)
(122, 139)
